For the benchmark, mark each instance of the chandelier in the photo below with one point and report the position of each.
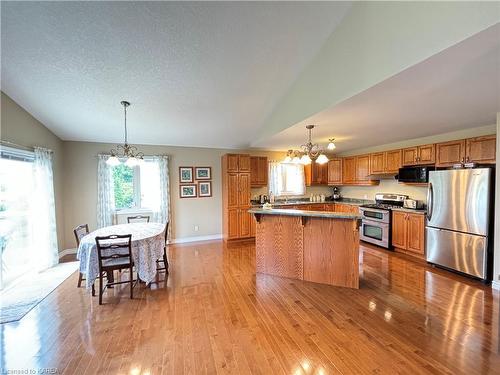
(128, 152)
(308, 152)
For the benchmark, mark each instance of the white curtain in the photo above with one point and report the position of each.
(274, 178)
(105, 193)
(162, 213)
(286, 179)
(44, 210)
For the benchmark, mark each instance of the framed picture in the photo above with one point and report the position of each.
(203, 173)
(205, 189)
(187, 191)
(185, 175)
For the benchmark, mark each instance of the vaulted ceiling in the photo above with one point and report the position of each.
(197, 74)
(240, 74)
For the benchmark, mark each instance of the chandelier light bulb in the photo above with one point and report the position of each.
(131, 162)
(305, 159)
(113, 161)
(331, 145)
(322, 159)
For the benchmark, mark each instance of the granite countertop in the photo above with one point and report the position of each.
(288, 212)
(350, 201)
(411, 210)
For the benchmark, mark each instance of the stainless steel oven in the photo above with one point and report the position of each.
(375, 227)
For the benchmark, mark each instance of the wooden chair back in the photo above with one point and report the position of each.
(80, 232)
(114, 247)
(138, 219)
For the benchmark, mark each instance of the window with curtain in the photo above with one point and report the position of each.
(286, 179)
(145, 186)
(28, 238)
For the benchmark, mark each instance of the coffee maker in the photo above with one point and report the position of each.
(336, 193)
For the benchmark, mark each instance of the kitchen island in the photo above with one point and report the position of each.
(317, 246)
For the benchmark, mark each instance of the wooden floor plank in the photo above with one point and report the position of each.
(214, 315)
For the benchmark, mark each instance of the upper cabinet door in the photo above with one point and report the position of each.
(232, 162)
(349, 170)
(481, 150)
(244, 163)
(393, 161)
(362, 168)
(244, 189)
(232, 190)
(427, 154)
(377, 163)
(410, 156)
(335, 171)
(450, 153)
(263, 170)
(254, 171)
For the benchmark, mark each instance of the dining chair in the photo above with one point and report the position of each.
(114, 252)
(164, 260)
(138, 219)
(81, 231)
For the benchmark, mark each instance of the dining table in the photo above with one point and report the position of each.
(148, 241)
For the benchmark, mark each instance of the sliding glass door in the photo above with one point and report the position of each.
(17, 245)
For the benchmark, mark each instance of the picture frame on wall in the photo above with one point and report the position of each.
(205, 189)
(188, 191)
(203, 173)
(186, 175)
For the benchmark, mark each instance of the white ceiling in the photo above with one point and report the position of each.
(456, 89)
(197, 74)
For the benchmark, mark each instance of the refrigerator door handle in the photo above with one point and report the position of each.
(430, 201)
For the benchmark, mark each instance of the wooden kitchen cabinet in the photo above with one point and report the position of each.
(393, 161)
(362, 168)
(377, 163)
(450, 153)
(481, 150)
(258, 171)
(346, 208)
(316, 174)
(236, 196)
(419, 155)
(349, 170)
(408, 233)
(335, 171)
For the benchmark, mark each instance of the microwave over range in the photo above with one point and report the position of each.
(414, 174)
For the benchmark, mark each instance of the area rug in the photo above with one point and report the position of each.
(18, 299)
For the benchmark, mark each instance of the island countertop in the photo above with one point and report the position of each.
(289, 212)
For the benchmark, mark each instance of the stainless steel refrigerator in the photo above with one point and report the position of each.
(458, 220)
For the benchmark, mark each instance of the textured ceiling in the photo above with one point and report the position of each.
(456, 89)
(197, 74)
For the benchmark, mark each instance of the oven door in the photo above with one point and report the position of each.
(375, 232)
(374, 214)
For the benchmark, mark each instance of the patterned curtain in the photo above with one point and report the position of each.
(105, 193)
(163, 214)
(45, 231)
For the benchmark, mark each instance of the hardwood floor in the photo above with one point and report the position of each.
(214, 315)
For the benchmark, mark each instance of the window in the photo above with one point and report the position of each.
(136, 187)
(16, 214)
(287, 179)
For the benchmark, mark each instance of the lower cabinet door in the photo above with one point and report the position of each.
(233, 230)
(399, 231)
(416, 233)
(245, 223)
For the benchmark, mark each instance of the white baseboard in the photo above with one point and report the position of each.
(197, 238)
(67, 252)
(495, 285)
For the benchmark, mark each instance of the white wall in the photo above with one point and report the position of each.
(19, 127)
(496, 254)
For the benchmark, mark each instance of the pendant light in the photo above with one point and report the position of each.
(129, 152)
